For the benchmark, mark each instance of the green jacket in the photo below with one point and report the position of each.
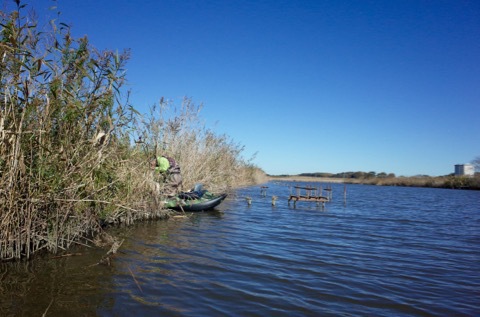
(162, 164)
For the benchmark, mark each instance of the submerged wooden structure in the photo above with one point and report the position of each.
(263, 191)
(312, 194)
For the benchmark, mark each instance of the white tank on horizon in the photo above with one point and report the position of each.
(464, 170)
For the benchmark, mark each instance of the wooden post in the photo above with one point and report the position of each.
(274, 199)
(263, 191)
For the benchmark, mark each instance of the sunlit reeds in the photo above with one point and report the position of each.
(73, 151)
(59, 119)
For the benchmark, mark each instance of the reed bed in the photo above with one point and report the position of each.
(205, 157)
(74, 152)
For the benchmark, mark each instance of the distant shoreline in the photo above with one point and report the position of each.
(295, 178)
(452, 182)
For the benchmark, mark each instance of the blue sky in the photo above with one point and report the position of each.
(310, 86)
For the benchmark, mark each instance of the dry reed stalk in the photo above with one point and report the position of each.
(134, 279)
(66, 255)
(50, 110)
(67, 160)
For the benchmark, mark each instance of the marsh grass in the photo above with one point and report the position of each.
(60, 121)
(451, 181)
(214, 160)
(74, 153)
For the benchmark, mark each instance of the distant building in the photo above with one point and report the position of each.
(464, 170)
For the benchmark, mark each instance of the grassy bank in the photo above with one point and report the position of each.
(74, 151)
(453, 182)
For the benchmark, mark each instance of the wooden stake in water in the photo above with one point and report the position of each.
(274, 199)
(263, 191)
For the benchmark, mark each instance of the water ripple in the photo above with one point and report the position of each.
(387, 251)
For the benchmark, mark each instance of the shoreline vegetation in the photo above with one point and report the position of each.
(449, 181)
(74, 151)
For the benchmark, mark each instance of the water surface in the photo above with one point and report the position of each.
(386, 251)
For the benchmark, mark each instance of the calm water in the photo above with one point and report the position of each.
(389, 251)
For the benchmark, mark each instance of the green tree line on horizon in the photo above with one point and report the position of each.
(357, 175)
(447, 181)
(372, 174)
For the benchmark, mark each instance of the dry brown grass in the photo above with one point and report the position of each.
(205, 157)
(68, 162)
(58, 123)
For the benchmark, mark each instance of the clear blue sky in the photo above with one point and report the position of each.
(312, 86)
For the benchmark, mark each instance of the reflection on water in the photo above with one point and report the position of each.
(55, 286)
(389, 251)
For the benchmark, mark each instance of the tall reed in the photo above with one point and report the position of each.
(204, 156)
(74, 153)
(60, 119)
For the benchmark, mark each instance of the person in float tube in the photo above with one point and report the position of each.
(166, 171)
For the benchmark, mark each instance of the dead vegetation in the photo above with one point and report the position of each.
(74, 152)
